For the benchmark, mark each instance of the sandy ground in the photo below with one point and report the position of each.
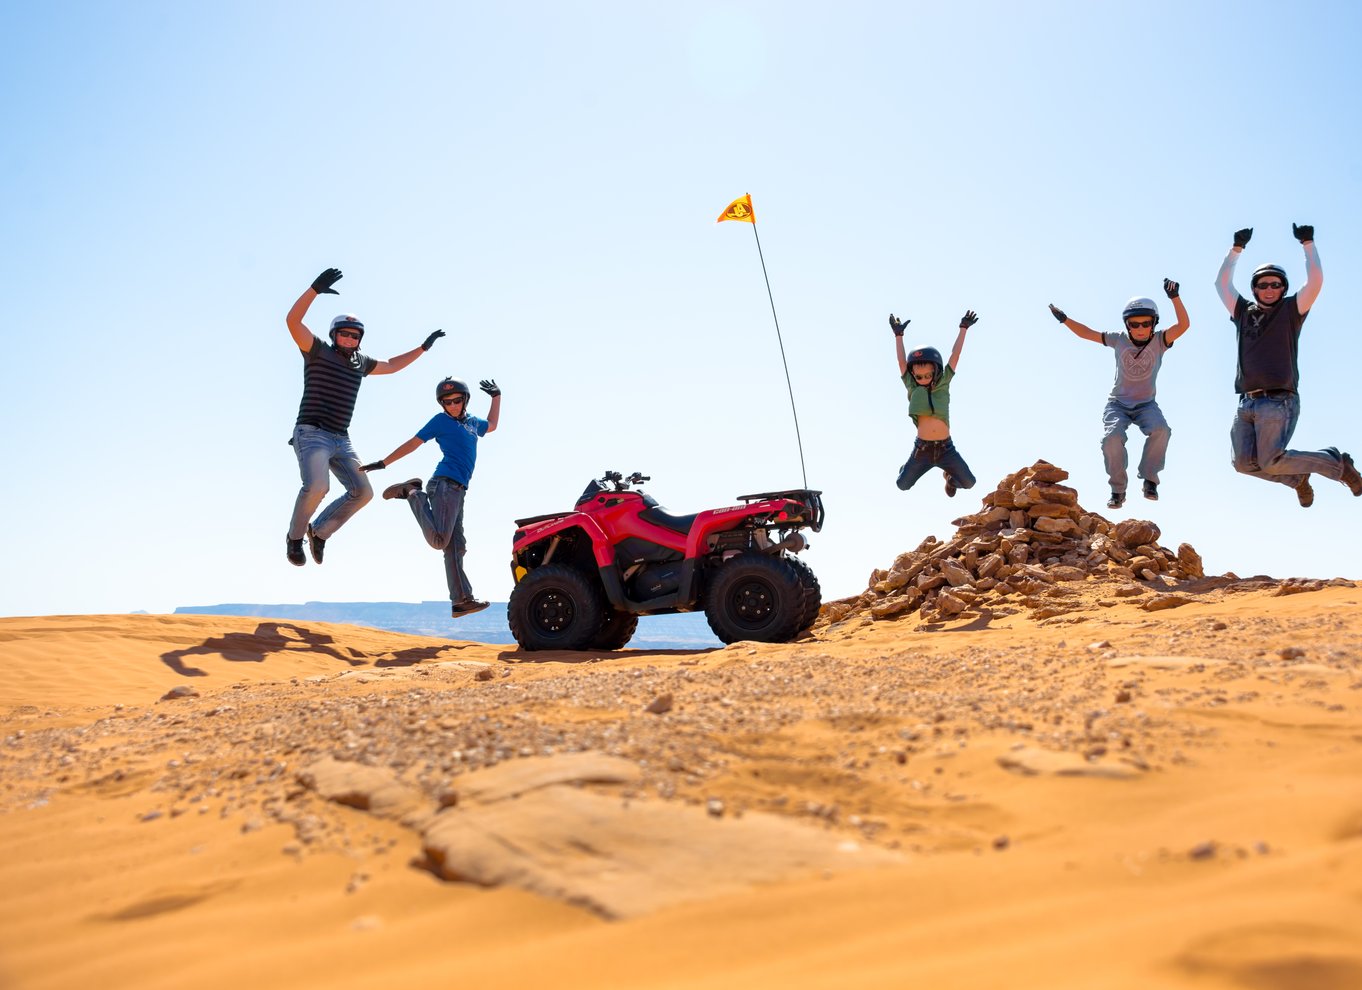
(1106, 798)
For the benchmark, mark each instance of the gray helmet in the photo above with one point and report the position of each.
(1262, 271)
(346, 321)
(1141, 306)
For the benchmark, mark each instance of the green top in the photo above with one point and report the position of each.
(918, 396)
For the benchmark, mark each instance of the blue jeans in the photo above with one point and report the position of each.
(1117, 418)
(1262, 428)
(439, 513)
(928, 454)
(320, 451)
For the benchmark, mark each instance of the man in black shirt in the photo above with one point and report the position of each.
(1267, 377)
(332, 374)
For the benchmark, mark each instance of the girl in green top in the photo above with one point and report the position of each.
(928, 382)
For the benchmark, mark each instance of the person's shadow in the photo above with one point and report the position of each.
(268, 638)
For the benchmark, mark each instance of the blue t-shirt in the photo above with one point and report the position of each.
(458, 440)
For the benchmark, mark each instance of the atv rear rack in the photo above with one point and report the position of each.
(809, 497)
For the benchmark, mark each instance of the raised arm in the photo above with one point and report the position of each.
(402, 360)
(1183, 324)
(490, 386)
(1224, 281)
(898, 327)
(1314, 274)
(968, 320)
(1087, 333)
(396, 455)
(301, 335)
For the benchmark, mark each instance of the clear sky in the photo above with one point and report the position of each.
(541, 181)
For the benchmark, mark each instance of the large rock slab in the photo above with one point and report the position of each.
(372, 789)
(625, 859)
(517, 777)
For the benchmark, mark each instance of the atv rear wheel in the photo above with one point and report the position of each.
(813, 594)
(755, 597)
(555, 608)
(617, 630)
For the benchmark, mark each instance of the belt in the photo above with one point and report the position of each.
(934, 443)
(445, 477)
(1271, 393)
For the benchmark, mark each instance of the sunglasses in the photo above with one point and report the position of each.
(1140, 324)
(1269, 285)
(353, 334)
(452, 400)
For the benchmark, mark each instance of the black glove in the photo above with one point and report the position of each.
(1241, 237)
(323, 282)
(375, 466)
(432, 339)
(489, 386)
(1059, 314)
(1304, 232)
(1171, 288)
(969, 319)
(897, 325)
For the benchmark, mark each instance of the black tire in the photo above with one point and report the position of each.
(753, 596)
(618, 629)
(555, 608)
(813, 593)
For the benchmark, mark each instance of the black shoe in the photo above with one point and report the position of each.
(466, 607)
(1304, 493)
(403, 490)
(1351, 477)
(1151, 490)
(295, 552)
(950, 487)
(1117, 500)
(316, 544)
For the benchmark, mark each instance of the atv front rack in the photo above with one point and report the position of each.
(813, 500)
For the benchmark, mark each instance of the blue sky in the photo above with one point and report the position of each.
(541, 181)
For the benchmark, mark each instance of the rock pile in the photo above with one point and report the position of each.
(1029, 540)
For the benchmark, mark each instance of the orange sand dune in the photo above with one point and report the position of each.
(1109, 798)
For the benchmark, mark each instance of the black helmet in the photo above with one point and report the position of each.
(927, 355)
(1264, 270)
(346, 321)
(452, 386)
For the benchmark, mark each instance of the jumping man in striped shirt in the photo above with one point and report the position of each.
(321, 439)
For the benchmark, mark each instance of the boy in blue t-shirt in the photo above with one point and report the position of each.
(439, 509)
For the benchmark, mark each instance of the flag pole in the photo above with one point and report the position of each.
(794, 412)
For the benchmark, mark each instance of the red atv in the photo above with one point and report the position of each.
(584, 577)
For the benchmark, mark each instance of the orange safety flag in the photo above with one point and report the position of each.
(739, 209)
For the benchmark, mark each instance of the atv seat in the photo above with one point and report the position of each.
(529, 520)
(659, 516)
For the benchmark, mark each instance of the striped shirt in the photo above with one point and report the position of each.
(330, 386)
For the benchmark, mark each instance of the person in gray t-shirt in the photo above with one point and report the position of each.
(1139, 353)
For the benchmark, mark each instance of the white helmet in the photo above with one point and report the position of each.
(1141, 306)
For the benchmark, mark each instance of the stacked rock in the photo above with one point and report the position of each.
(1030, 536)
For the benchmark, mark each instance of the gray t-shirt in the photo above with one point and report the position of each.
(1136, 367)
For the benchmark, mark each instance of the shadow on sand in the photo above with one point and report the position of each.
(256, 647)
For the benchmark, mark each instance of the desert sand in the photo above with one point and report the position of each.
(1113, 795)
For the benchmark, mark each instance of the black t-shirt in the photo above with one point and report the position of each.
(331, 385)
(1268, 344)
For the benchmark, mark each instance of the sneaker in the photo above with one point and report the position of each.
(950, 487)
(1151, 490)
(295, 552)
(1117, 500)
(1304, 493)
(466, 607)
(403, 490)
(316, 544)
(1351, 477)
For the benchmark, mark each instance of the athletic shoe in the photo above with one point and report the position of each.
(950, 487)
(295, 552)
(1151, 490)
(1351, 477)
(1304, 493)
(316, 544)
(1117, 500)
(466, 607)
(404, 489)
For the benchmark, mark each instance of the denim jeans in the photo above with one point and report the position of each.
(1117, 418)
(439, 513)
(319, 452)
(928, 454)
(1262, 428)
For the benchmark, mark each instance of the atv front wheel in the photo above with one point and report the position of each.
(618, 629)
(813, 594)
(555, 608)
(755, 597)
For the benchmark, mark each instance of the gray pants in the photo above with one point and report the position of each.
(439, 513)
